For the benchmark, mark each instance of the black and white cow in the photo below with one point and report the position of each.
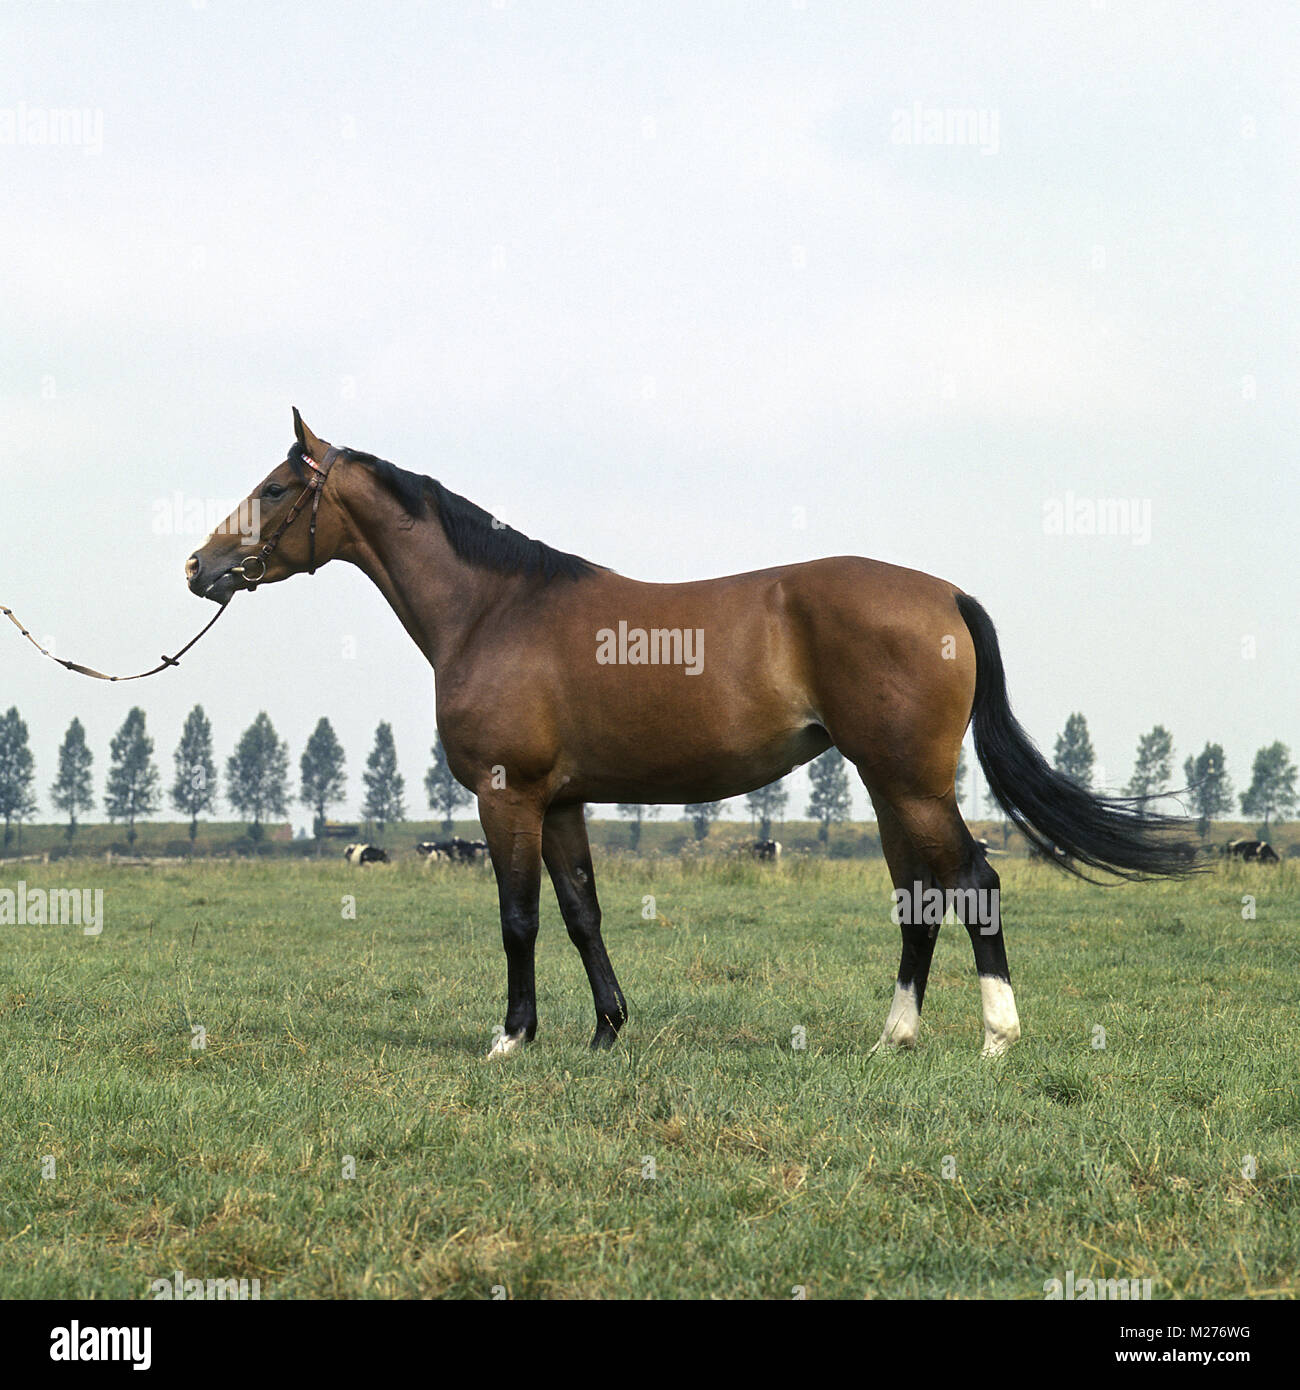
(766, 849)
(1251, 851)
(360, 855)
(459, 851)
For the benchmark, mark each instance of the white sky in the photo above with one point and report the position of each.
(646, 280)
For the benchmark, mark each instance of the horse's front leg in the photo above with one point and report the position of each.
(513, 826)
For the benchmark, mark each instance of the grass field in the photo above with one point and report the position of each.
(929, 1174)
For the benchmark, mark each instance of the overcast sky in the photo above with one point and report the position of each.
(687, 289)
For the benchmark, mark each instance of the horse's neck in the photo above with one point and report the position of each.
(435, 594)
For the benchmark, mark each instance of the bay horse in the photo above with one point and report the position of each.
(559, 682)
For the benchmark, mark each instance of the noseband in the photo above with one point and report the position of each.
(315, 486)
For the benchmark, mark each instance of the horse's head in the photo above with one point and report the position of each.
(280, 528)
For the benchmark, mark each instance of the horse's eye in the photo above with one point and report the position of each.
(273, 490)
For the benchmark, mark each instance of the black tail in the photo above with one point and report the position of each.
(1052, 812)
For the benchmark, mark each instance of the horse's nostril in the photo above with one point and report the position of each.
(192, 567)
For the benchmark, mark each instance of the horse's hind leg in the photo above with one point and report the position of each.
(937, 837)
(908, 872)
(567, 853)
(984, 926)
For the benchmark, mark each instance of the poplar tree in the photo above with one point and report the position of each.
(322, 772)
(637, 812)
(831, 801)
(195, 787)
(445, 793)
(701, 815)
(257, 775)
(1154, 763)
(17, 772)
(72, 790)
(132, 790)
(1074, 755)
(384, 785)
(766, 804)
(1208, 785)
(1272, 789)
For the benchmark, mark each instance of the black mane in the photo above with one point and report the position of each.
(473, 534)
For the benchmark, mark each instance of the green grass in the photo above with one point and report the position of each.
(775, 1167)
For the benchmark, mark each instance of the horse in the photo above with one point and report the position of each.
(560, 682)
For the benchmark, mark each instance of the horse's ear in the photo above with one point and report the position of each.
(315, 447)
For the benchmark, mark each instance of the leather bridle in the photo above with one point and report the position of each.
(315, 486)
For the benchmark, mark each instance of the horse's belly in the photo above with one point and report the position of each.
(681, 770)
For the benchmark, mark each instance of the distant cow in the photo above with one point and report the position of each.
(1251, 851)
(454, 851)
(360, 855)
(766, 849)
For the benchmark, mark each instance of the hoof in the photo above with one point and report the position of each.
(998, 1044)
(903, 1023)
(1001, 1021)
(506, 1044)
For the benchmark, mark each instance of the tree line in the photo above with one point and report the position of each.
(1271, 796)
(257, 777)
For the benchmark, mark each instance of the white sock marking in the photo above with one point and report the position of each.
(904, 1021)
(1001, 1021)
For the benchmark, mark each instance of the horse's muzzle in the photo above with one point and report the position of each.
(219, 587)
